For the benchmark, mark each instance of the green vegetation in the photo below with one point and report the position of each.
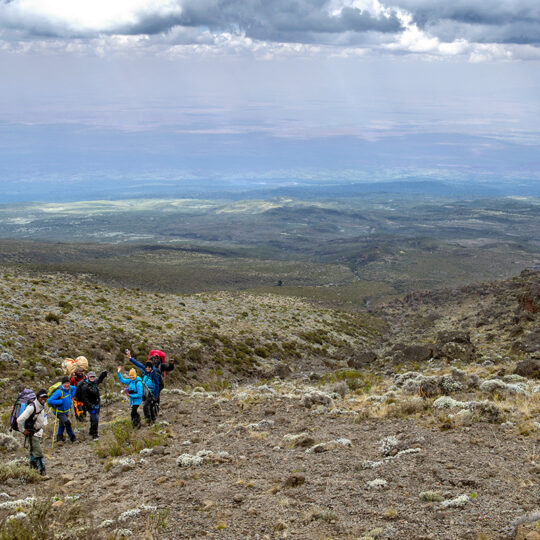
(360, 381)
(52, 317)
(18, 472)
(120, 438)
(40, 521)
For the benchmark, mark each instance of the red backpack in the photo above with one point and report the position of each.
(157, 353)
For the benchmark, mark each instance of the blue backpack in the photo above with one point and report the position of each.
(26, 397)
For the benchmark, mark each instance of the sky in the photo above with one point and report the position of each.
(141, 92)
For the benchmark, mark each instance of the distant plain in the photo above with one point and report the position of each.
(338, 247)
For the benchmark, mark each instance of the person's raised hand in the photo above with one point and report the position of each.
(119, 369)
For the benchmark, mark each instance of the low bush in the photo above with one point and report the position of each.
(52, 317)
(40, 522)
(121, 439)
(18, 472)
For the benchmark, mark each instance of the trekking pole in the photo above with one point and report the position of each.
(54, 430)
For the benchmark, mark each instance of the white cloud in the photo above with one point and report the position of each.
(82, 17)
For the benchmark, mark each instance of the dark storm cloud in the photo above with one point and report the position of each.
(282, 20)
(500, 21)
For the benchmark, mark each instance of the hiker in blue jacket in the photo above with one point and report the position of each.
(135, 392)
(152, 379)
(60, 402)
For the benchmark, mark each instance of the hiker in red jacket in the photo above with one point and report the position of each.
(77, 377)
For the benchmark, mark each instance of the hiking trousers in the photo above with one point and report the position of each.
(34, 445)
(36, 453)
(135, 416)
(149, 409)
(64, 424)
(94, 422)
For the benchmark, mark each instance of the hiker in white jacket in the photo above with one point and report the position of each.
(31, 423)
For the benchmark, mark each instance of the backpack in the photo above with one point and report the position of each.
(146, 393)
(157, 354)
(52, 389)
(26, 397)
(78, 409)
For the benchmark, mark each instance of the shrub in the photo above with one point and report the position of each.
(121, 439)
(66, 306)
(263, 352)
(40, 522)
(52, 317)
(18, 472)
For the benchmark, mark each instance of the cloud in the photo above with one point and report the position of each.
(279, 20)
(434, 28)
(498, 21)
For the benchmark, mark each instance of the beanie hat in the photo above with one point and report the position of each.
(92, 374)
(149, 364)
(64, 380)
(41, 393)
(132, 372)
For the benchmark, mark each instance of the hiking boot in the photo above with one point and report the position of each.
(73, 439)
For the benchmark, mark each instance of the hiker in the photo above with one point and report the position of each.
(88, 394)
(60, 402)
(31, 423)
(154, 382)
(78, 406)
(158, 360)
(135, 392)
(77, 377)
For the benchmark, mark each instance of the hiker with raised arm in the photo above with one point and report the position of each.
(60, 401)
(153, 380)
(135, 393)
(157, 358)
(88, 394)
(31, 422)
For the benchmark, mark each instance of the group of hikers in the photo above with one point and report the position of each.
(80, 392)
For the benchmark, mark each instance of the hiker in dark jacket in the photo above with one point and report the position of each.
(158, 360)
(78, 408)
(88, 393)
(31, 423)
(152, 379)
(135, 393)
(60, 403)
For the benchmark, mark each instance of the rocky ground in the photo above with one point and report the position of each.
(418, 420)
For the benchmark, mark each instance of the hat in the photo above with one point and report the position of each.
(41, 393)
(132, 372)
(92, 374)
(64, 380)
(149, 364)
